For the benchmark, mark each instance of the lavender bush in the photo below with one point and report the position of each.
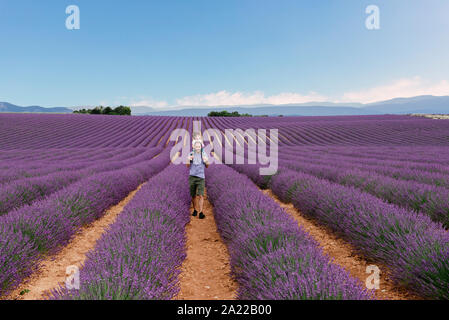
(431, 200)
(271, 257)
(62, 131)
(433, 174)
(48, 224)
(25, 191)
(33, 166)
(415, 248)
(402, 159)
(139, 256)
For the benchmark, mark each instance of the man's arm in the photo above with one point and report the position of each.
(190, 158)
(206, 163)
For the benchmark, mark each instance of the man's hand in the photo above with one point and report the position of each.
(190, 159)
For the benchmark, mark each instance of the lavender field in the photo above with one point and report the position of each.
(379, 183)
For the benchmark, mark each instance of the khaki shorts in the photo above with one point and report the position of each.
(196, 185)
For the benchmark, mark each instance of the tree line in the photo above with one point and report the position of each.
(227, 114)
(118, 111)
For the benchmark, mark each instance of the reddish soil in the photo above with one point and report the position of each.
(206, 272)
(344, 254)
(52, 272)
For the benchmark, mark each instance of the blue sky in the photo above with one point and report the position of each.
(171, 53)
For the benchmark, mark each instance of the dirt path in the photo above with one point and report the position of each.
(344, 254)
(53, 269)
(206, 272)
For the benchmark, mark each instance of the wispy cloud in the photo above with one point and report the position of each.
(145, 102)
(402, 88)
(140, 101)
(226, 98)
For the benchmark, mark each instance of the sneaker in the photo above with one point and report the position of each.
(202, 216)
(194, 213)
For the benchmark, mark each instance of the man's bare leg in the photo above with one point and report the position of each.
(200, 203)
(195, 203)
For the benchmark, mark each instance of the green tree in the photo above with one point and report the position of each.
(107, 110)
(225, 113)
(120, 110)
(97, 110)
(123, 110)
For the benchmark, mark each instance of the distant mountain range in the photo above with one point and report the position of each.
(419, 104)
(8, 107)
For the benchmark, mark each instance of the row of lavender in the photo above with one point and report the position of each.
(75, 159)
(23, 157)
(415, 248)
(412, 175)
(347, 131)
(25, 191)
(271, 257)
(32, 231)
(428, 199)
(418, 154)
(434, 160)
(19, 131)
(24, 131)
(139, 256)
(14, 170)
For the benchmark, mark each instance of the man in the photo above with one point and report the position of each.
(198, 161)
